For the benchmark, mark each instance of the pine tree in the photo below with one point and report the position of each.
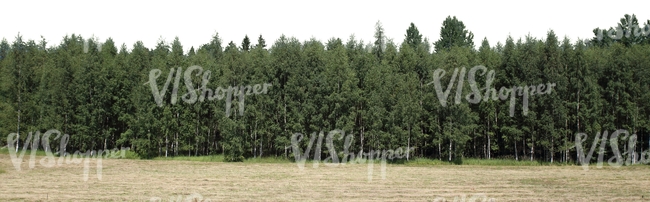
(413, 36)
(261, 42)
(246, 44)
(453, 33)
(380, 41)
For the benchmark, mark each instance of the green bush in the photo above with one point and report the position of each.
(130, 155)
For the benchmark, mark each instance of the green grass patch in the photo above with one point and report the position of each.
(268, 160)
(427, 162)
(479, 162)
(5, 150)
(220, 158)
(502, 162)
(211, 158)
(117, 154)
(436, 162)
(114, 154)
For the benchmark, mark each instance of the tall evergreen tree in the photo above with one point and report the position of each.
(380, 41)
(453, 33)
(413, 36)
(246, 44)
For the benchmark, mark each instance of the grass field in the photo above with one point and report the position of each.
(277, 180)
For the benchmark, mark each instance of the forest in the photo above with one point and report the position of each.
(381, 92)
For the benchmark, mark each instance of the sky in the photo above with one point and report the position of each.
(195, 22)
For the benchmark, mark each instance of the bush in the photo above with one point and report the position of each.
(233, 150)
(458, 160)
(131, 155)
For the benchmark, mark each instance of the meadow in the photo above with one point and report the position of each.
(270, 179)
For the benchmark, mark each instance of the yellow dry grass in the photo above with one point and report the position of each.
(142, 180)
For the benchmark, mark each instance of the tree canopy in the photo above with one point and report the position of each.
(100, 94)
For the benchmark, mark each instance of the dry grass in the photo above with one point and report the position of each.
(141, 180)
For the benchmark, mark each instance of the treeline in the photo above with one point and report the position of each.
(379, 92)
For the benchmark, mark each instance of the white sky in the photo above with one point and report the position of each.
(194, 22)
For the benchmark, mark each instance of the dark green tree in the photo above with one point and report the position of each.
(246, 44)
(380, 41)
(413, 36)
(453, 33)
(261, 42)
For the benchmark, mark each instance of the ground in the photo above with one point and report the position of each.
(144, 180)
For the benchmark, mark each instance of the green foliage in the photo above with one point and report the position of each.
(453, 33)
(474, 162)
(246, 44)
(261, 43)
(376, 92)
(627, 32)
(131, 155)
(413, 36)
(207, 158)
(380, 41)
(5, 150)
